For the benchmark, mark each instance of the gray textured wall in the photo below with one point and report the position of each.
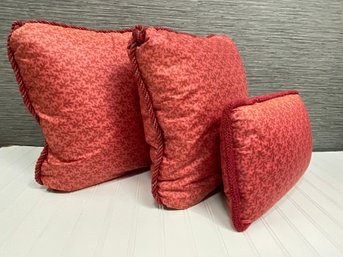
(285, 45)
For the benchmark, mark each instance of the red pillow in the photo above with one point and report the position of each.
(266, 146)
(78, 83)
(184, 81)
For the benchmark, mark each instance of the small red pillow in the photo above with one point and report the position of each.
(266, 146)
(78, 83)
(184, 81)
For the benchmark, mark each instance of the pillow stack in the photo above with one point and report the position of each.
(111, 102)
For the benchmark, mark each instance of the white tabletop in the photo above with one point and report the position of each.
(120, 218)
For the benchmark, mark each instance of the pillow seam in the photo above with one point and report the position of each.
(262, 98)
(20, 23)
(230, 170)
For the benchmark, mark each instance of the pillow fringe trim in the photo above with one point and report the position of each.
(138, 37)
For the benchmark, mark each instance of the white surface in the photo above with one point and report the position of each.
(119, 218)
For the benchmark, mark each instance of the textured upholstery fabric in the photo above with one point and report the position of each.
(184, 83)
(78, 83)
(266, 146)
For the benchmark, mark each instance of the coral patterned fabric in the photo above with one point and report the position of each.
(79, 85)
(266, 146)
(184, 83)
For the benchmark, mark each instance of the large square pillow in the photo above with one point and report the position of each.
(184, 83)
(78, 83)
(266, 146)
